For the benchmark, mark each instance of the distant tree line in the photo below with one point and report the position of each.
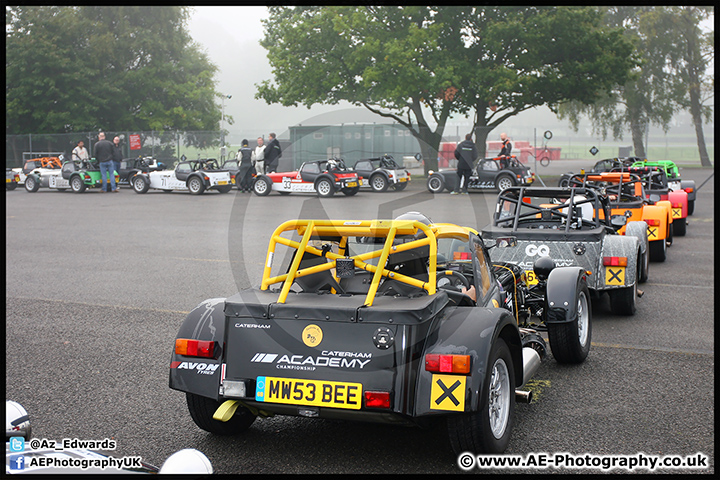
(86, 68)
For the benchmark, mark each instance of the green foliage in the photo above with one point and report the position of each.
(416, 64)
(113, 68)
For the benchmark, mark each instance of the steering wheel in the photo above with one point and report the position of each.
(451, 278)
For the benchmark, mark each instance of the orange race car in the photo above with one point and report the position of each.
(626, 194)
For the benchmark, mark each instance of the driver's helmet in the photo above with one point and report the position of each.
(17, 421)
(331, 164)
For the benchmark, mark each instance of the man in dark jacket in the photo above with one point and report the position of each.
(103, 153)
(466, 154)
(505, 151)
(272, 154)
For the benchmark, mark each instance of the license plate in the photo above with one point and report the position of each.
(402, 179)
(676, 212)
(222, 182)
(352, 184)
(8, 180)
(301, 391)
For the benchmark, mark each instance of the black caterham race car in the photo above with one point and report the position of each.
(490, 173)
(393, 321)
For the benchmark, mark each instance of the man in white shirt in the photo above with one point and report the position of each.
(80, 153)
(258, 156)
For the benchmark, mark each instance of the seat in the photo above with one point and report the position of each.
(316, 282)
(68, 169)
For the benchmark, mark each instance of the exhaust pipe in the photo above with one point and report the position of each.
(522, 396)
(531, 363)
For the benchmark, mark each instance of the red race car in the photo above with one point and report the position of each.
(324, 177)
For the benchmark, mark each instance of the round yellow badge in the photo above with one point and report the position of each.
(312, 335)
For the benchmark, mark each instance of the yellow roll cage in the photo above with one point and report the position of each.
(389, 229)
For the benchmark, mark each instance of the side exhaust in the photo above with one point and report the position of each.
(531, 363)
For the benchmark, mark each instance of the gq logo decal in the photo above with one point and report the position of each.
(312, 335)
(532, 250)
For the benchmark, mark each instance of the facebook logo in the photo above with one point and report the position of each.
(17, 444)
(17, 462)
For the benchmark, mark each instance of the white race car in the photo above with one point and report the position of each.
(192, 175)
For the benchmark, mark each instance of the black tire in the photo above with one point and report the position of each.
(196, 185)
(481, 431)
(680, 227)
(379, 183)
(504, 181)
(202, 410)
(645, 265)
(691, 207)
(671, 233)
(435, 183)
(31, 184)
(224, 188)
(400, 186)
(570, 342)
(77, 184)
(658, 251)
(262, 186)
(325, 188)
(623, 300)
(140, 185)
(10, 186)
(564, 182)
(350, 191)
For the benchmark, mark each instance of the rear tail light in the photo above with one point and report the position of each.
(377, 399)
(689, 189)
(194, 348)
(461, 255)
(676, 205)
(653, 222)
(447, 363)
(615, 261)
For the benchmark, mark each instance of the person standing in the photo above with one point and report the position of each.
(466, 154)
(117, 155)
(506, 149)
(258, 156)
(244, 181)
(272, 154)
(80, 153)
(103, 152)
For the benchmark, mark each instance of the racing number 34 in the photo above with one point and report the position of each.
(295, 391)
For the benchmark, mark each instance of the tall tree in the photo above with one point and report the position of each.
(421, 65)
(688, 53)
(672, 75)
(115, 68)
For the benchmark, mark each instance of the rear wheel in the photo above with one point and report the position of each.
(224, 188)
(400, 186)
(658, 250)
(622, 300)
(202, 410)
(195, 185)
(570, 342)
(378, 183)
(488, 430)
(503, 182)
(680, 227)
(350, 191)
(691, 207)
(77, 184)
(325, 188)
(435, 184)
(31, 185)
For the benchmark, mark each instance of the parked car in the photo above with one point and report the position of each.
(12, 179)
(381, 173)
(675, 182)
(324, 177)
(194, 176)
(490, 173)
(571, 227)
(74, 174)
(129, 167)
(49, 163)
(399, 321)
